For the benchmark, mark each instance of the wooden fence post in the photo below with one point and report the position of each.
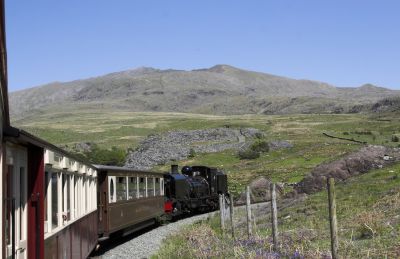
(274, 217)
(221, 213)
(232, 214)
(224, 206)
(332, 217)
(248, 209)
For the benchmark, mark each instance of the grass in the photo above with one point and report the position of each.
(126, 129)
(368, 209)
(368, 206)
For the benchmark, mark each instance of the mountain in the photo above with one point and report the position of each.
(221, 89)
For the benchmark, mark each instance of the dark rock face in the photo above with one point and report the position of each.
(387, 104)
(360, 162)
(177, 145)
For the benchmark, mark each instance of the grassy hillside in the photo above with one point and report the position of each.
(368, 210)
(126, 129)
(368, 205)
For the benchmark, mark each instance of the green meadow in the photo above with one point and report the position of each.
(368, 205)
(126, 129)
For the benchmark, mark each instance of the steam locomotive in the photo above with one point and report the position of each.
(196, 189)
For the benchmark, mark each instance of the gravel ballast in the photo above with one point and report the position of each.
(147, 244)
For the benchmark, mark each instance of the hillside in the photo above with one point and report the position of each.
(221, 89)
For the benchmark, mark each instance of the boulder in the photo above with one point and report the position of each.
(260, 191)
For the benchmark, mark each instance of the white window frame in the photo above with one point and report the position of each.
(145, 191)
(47, 185)
(72, 197)
(137, 187)
(154, 186)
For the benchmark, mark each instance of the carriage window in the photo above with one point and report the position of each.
(45, 205)
(132, 188)
(161, 186)
(85, 186)
(68, 193)
(150, 186)
(157, 187)
(142, 187)
(72, 197)
(22, 205)
(66, 197)
(8, 212)
(121, 188)
(54, 201)
(89, 194)
(111, 190)
(63, 200)
(76, 179)
(57, 157)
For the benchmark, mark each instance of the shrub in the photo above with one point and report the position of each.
(259, 135)
(254, 150)
(248, 154)
(395, 138)
(114, 156)
(345, 133)
(362, 132)
(260, 146)
(192, 153)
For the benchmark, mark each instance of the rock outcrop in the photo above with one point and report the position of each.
(178, 145)
(360, 162)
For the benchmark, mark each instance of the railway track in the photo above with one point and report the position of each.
(144, 243)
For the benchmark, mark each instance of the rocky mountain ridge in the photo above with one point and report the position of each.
(221, 89)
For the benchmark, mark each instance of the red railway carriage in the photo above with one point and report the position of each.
(50, 200)
(128, 199)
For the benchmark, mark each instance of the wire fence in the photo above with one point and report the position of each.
(231, 219)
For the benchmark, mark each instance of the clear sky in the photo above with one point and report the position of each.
(342, 42)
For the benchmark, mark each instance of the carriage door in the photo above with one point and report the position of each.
(102, 202)
(16, 203)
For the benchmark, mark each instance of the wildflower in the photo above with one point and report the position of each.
(297, 255)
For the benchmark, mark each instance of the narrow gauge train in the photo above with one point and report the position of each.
(59, 207)
(54, 205)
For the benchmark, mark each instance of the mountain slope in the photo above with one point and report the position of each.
(221, 89)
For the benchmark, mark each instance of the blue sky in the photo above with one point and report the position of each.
(345, 43)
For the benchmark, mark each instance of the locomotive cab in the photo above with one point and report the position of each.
(216, 179)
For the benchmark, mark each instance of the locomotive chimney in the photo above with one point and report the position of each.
(174, 169)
